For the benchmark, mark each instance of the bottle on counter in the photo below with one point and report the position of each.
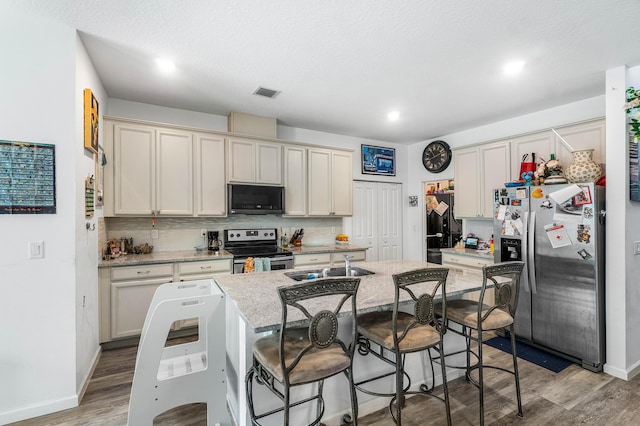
(491, 245)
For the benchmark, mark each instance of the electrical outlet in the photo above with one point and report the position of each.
(36, 249)
(636, 248)
(333, 229)
(154, 234)
(203, 232)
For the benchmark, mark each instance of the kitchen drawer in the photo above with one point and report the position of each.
(122, 273)
(356, 256)
(449, 259)
(207, 267)
(312, 259)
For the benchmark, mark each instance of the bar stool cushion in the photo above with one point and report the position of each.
(465, 312)
(377, 327)
(314, 365)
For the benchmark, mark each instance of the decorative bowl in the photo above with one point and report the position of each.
(342, 243)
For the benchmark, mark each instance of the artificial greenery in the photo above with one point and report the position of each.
(633, 110)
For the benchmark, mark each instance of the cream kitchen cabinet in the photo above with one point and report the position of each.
(478, 170)
(210, 185)
(190, 271)
(131, 291)
(254, 161)
(126, 292)
(152, 170)
(295, 180)
(470, 262)
(202, 270)
(312, 260)
(330, 183)
(587, 135)
(542, 144)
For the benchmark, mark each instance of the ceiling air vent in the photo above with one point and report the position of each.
(267, 93)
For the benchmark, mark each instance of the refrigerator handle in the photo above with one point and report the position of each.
(531, 250)
(525, 251)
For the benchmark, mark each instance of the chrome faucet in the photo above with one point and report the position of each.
(347, 264)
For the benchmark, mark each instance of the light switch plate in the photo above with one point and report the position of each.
(636, 248)
(36, 249)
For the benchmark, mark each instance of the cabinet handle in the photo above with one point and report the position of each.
(205, 267)
(314, 258)
(144, 272)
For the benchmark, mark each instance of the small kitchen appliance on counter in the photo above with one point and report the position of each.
(213, 238)
(256, 243)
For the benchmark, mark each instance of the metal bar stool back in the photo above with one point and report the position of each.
(307, 348)
(474, 318)
(397, 333)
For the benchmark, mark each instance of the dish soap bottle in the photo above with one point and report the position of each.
(491, 246)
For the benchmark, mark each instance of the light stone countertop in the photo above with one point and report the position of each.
(164, 257)
(482, 254)
(256, 298)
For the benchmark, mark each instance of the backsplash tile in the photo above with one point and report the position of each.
(176, 233)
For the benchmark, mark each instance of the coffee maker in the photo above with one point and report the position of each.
(214, 240)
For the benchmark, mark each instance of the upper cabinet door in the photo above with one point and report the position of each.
(542, 144)
(590, 135)
(320, 182)
(467, 174)
(174, 173)
(252, 161)
(134, 169)
(295, 180)
(269, 163)
(341, 183)
(241, 164)
(211, 187)
(495, 171)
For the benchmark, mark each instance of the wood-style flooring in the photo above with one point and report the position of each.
(574, 396)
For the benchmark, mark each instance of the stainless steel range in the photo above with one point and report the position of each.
(244, 243)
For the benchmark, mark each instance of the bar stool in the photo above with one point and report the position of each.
(474, 318)
(298, 355)
(396, 333)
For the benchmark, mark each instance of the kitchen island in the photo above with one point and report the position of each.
(253, 311)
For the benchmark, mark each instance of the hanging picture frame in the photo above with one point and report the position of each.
(377, 160)
(91, 118)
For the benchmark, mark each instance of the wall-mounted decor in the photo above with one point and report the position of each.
(634, 177)
(378, 161)
(88, 197)
(413, 201)
(100, 161)
(27, 178)
(90, 121)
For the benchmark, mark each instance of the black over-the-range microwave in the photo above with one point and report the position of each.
(255, 199)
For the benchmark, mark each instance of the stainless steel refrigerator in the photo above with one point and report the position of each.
(443, 229)
(558, 231)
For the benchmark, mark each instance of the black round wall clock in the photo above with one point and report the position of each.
(436, 156)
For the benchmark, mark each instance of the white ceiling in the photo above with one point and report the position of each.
(342, 65)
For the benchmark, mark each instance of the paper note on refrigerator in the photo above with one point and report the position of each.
(558, 235)
(564, 194)
(502, 209)
(442, 208)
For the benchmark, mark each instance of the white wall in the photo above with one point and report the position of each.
(37, 309)
(86, 240)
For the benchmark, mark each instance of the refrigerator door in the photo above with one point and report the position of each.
(564, 306)
(510, 234)
(441, 221)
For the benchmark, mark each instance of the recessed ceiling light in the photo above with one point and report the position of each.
(393, 115)
(514, 67)
(165, 64)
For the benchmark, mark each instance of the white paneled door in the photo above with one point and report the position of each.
(377, 219)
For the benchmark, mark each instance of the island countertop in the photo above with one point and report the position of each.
(256, 298)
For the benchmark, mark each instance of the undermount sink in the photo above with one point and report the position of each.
(330, 272)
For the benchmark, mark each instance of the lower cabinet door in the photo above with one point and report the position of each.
(130, 302)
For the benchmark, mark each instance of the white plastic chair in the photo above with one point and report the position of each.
(194, 372)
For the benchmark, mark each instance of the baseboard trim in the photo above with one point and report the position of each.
(87, 378)
(38, 410)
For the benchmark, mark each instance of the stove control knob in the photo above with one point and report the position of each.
(266, 234)
(238, 235)
(271, 234)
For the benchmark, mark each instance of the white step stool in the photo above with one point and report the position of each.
(168, 377)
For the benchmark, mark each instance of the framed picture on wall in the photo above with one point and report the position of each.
(90, 121)
(377, 160)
